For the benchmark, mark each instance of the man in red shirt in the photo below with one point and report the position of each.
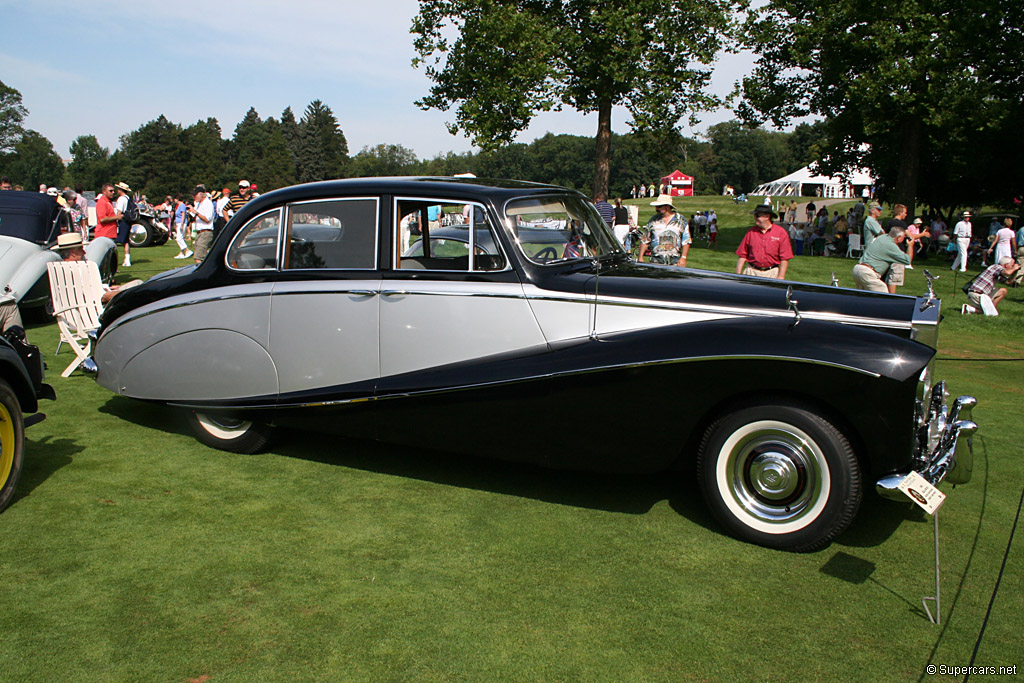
(106, 216)
(765, 250)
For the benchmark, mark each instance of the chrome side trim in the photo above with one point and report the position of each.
(535, 293)
(264, 289)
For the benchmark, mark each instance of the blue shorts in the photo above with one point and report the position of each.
(122, 232)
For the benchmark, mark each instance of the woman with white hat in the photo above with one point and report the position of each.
(666, 236)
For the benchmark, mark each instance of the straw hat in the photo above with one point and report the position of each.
(123, 186)
(663, 200)
(67, 240)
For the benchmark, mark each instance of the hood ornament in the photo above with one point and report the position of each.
(791, 304)
(930, 301)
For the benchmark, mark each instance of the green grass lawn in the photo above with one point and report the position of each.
(133, 553)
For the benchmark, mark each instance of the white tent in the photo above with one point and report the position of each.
(804, 183)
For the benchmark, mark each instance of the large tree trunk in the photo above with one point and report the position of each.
(910, 163)
(602, 152)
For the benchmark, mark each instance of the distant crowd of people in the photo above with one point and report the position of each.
(193, 220)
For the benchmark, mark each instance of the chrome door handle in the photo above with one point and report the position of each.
(362, 292)
(393, 292)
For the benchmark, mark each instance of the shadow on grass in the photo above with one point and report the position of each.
(877, 520)
(43, 457)
(626, 493)
(148, 415)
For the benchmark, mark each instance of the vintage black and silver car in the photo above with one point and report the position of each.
(533, 337)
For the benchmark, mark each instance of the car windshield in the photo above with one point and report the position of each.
(558, 228)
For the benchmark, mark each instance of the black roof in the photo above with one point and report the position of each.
(440, 187)
(27, 215)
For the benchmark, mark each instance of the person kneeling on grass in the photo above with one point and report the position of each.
(979, 291)
(69, 246)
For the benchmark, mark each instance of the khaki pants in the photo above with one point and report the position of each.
(895, 275)
(9, 316)
(770, 273)
(866, 278)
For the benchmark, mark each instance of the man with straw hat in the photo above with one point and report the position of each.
(666, 237)
(765, 250)
(123, 227)
(71, 248)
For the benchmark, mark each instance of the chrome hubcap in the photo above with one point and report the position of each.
(774, 473)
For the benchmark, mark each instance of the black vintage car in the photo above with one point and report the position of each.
(347, 306)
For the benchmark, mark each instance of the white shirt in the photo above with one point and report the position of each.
(205, 208)
(962, 230)
(121, 205)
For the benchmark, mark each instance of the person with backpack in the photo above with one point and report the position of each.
(129, 214)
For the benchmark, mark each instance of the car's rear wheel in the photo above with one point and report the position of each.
(140, 235)
(12, 443)
(229, 433)
(780, 475)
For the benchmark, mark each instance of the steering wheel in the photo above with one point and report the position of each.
(546, 254)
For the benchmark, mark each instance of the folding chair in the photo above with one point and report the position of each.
(854, 245)
(76, 291)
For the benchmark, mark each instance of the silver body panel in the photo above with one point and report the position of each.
(427, 324)
(324, 333)
(207, 346)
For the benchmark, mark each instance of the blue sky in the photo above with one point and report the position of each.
(105, 69)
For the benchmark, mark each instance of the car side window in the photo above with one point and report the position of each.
(332, 234)
(255, 245)
(436, 235)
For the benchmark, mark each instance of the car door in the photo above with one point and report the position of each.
(324, 310)
(450, 294)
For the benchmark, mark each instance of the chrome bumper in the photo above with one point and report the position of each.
(945, 444)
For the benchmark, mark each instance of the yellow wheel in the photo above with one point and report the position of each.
(12, 447)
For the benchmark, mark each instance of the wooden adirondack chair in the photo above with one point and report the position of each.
(76, 290)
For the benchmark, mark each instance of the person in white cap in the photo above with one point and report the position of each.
(962, 234)
(236, 200)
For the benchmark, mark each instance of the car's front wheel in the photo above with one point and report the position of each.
(228, 433)
(12, 443)
(780, 475)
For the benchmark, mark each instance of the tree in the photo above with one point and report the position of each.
(384, 160)
(205, 153)
(918, 81)
(292, 134)
(323, 150)
(12, 114)
(90, 163)
(34, 161)
(156, 159)
(515, 58)
(261, 152)
(745, 156)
